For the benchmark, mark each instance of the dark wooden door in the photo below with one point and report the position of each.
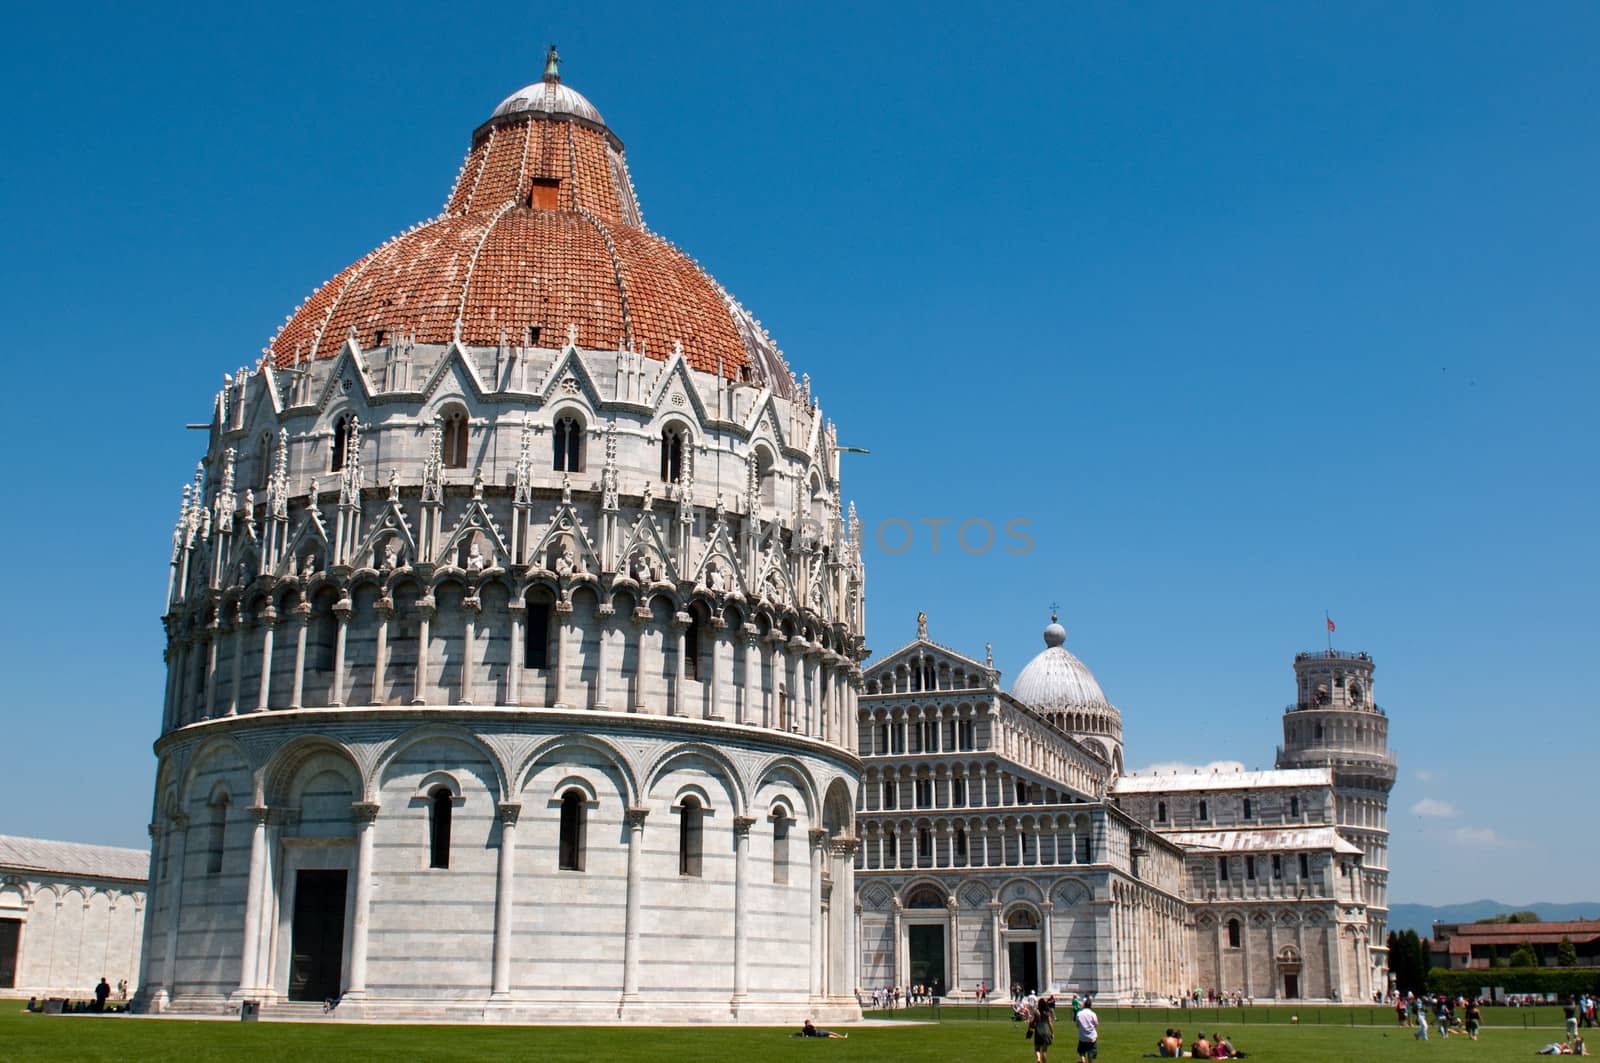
(1024, 956)
(10, 938)
(927, 954)
(316, 965)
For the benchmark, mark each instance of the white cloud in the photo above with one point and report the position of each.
(1168, 767)
(1480, 838)
(1433, 808)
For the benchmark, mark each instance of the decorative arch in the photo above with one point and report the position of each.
(202, 756)
(838, 808)
(685, 751)
(924, 893)
(794, 772)
(278, 776)
(540, 754)
(449, 732)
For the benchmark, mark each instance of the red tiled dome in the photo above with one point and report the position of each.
(542, 230)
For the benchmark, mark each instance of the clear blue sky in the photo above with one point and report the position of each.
(1252, 311)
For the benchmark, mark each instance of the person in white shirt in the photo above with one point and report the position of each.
(1088, 1032)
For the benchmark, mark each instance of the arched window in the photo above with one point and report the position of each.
(1233, 933)
(925, 897)
(264, 461)
(1247, 808)
(341, 440)
(672, 448)
(455, 439)
(924, 846)
(440, 806)
(217, 839)
(691, 645)
(568, 445)
(1161, 811)
(690, 841)
(1022, 919)
(536, 638)
(767, 473)
(574, 816)
(780, 847)
(783, 709)
(1204, 810)
(961, 843)
(1294, 806)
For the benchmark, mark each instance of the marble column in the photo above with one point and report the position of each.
(563, 618)
(249, 953)
(741, 907)
(419, 688)
(209, 700)
(342, 610)
(1046, 945)
(954, 908)
(471, 608)
(679, 628)
(236, 627)
(175, 880)
(819, 841)
(384, 610)
(504, 897)
(603, 650)
(365, 815)
(751, 712)
(901, 966)
(712, 690)
(302, 621)
(841, 937)
(518, 611)
(269, 624)
(630, 940)
(997, 980)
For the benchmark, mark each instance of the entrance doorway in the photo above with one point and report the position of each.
(1291, 987)
(1024, 957)
(10, 938)
(927, 956)
(316, 965)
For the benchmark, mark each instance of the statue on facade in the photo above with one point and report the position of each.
(640, 569)
(922, 625)
(476, 562)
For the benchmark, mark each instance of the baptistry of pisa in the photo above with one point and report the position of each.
(514, 630)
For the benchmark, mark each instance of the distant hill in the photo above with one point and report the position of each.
(1421, 917)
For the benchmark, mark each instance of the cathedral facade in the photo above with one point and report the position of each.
(1002, 844)
(513, 633)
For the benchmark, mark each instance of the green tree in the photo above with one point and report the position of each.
(1566, 953)
(1523, 917)
(1524, 956)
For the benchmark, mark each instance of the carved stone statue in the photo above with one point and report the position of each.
(308, 566)
(567, 563)
(391, 555)
(641, 568)
(922, 625)
(476, 562)
(714, 578)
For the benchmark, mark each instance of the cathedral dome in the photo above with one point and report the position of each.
(541, 237)
(1056, 679)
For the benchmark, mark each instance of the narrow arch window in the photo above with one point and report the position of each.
(783, 709)
(341, 442)
(1305, 866)
(574, 816)
(1222, 869)
(767, 473)
(1247, 808)
(1204, 810)
(455, 439)
(568, 445)
(672, 445)
(961, 844)
(1294, 806)
(217, 835)
(780, 848)
(264, 461)
(692, 647)
(536, 641)
(924, 846)
(1161, 811)
(440, 808)
(1233, 933)
(691, 830)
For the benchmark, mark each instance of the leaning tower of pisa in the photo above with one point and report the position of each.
(1336, 722)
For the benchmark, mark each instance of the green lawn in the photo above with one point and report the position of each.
(39, 1039)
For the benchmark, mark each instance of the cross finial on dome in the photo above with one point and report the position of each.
(1054, 609)
(552, 65)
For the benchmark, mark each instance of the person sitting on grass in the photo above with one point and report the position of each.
(1201, 1049)
(809, 1029)
(1224, 1049)
(1171, 1045)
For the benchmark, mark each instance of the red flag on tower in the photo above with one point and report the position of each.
(1330, 622)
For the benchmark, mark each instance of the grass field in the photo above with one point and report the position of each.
(28, 1038)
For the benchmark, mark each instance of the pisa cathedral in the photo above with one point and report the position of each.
(516, 672)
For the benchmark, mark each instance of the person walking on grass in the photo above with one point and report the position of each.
(1088, 1024)
(1042, 1027)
